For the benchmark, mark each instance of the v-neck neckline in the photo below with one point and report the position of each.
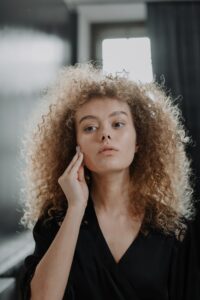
(103, 245)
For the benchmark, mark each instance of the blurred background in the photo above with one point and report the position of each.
(144, 39)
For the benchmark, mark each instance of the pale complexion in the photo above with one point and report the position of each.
(108, 122)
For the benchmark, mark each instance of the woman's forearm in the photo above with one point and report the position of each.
(52, 272)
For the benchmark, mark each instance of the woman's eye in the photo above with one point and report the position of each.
(93, 128)
(119, 124)
(89, 128)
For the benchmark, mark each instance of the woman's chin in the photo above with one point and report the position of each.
(108, 170)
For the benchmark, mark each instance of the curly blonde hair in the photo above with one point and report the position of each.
(160, 172)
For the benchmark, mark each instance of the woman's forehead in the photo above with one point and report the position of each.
(99, 106)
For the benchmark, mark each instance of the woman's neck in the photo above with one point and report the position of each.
(110, 193)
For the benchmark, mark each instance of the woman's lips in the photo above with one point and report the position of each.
(107, 148)
(107, 151)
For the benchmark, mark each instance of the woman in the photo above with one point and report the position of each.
(108, 192)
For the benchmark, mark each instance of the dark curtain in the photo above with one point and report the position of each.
(174, 30)
(73, 34)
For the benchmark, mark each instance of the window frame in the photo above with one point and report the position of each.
(89, 15)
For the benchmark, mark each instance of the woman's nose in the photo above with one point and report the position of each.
(105, 134)
(105, 137)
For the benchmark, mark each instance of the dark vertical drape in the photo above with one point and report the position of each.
(73, 34)
(174, 30)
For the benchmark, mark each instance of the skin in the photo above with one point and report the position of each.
(110, 171)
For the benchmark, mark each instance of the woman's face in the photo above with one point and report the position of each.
(106, 123)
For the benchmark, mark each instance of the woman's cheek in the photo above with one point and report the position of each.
(81, 143)
(88, 161)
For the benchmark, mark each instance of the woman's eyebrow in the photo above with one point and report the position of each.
(111, 115)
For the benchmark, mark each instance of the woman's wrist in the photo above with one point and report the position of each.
(77, 209)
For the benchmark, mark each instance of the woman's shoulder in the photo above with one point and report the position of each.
(177, 236)
(184, 238)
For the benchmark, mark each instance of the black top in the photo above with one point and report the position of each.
(154, 267)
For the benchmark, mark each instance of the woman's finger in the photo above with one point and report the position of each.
(77, 164)
(81, 175)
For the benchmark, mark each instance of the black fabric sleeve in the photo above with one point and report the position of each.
(184, 277)
(43, 234)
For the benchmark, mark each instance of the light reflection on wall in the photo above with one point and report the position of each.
(29, 60)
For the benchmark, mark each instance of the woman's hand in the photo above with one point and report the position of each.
(73, 182)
